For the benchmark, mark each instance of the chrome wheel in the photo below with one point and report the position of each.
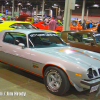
(54, 80)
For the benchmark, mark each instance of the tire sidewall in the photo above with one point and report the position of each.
(65, 85)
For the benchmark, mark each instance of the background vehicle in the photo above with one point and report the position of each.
(42, 25)
(94, 29)
(25, 17)
(82, 39)
(16, 25)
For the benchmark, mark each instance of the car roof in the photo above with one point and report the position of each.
(27, 31)
(81, 32)
(12, 22)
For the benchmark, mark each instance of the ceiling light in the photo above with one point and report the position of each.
(28, 4)
(19, 3)
(95, 5)
(7, 3)
(77, 5)
(55, 5)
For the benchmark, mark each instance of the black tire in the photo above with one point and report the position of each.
(56, 81)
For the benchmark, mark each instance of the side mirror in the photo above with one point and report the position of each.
(21, 45)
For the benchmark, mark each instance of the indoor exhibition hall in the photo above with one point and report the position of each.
(49, 49)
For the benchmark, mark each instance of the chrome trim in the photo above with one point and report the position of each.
(91, 82)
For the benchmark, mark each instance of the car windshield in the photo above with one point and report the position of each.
(97, 38)
(22, 26)
(42, 40)
(74, 23)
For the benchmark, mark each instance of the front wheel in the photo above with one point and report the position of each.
(56, 81)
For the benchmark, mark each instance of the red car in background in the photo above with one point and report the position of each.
(42, 25)
(25, 17)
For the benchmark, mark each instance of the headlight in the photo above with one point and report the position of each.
(95, 73)
(91, 73)
(99, 71)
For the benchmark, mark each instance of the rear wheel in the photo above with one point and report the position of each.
(56, 81)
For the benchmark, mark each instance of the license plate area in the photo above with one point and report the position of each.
(94, 88)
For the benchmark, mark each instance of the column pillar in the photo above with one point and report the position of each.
(66, 21)
(36, 10)
(87, 14)
(18, 9)
(59, 11)
(2, 9)
(43, 9)
(56, 12)
(83, 9)
(12, 8)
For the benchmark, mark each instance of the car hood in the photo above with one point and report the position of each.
(74, 55)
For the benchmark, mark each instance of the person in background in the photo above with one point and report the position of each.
(3, 15)
(35, 19)
(46, 19)
(89, 24)
(98, 28)
(80, 22)
(59, 23)
(52, 24)
(84, 25)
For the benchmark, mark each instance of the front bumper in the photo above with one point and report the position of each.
(90, 83)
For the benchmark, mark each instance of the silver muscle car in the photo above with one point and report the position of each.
(45, 54)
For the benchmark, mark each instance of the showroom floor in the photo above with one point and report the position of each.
(19, 85)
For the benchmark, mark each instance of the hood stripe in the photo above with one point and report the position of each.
(77, 51)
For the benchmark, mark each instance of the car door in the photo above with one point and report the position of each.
(12, 53)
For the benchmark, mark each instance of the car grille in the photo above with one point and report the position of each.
(95, 73)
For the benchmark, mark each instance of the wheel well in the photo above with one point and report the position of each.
(45, 67)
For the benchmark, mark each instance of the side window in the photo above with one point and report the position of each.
(70, 37)
(74, 37)
(13, 26)
(8, 38)
(87, 38)
(18, 26)
(44, 23)
(74, 23)
(15, 38)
